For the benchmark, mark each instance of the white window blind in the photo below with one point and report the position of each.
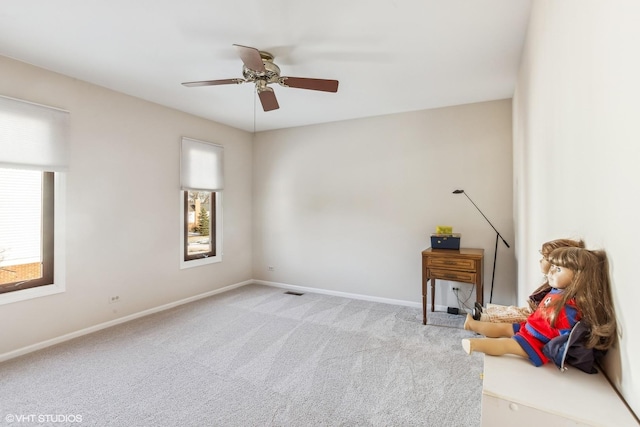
(33, 136)
(201, 166)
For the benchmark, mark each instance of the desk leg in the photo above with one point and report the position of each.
(433, 294)
(424, 305)
(480, 292)
(424, 293)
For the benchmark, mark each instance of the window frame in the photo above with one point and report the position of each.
(215, 232)
(55, 244)
(47, 239)
(212, 228)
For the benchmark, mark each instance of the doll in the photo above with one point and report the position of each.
(512, 314)
(580, 290)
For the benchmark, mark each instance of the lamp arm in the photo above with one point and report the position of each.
(494, 229)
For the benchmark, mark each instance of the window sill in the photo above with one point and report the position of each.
(200, 262)
(27, 294)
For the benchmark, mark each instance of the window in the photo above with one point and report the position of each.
(33, 158)
(26, 227)
(201, 199)
(200, 225)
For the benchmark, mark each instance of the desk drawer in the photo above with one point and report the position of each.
(456, 264)
(456, 276)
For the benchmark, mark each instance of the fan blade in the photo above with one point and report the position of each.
(311, 84)
(268, 99)
(251, 57)
(213, 82)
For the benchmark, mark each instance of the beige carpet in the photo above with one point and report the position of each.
(254, 356)
(439, 318)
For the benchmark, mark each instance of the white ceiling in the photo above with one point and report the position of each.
(390, 56)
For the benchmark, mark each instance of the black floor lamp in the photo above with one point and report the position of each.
(495, 253)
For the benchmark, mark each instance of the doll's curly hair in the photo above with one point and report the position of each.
(545, 251)
(591, 290)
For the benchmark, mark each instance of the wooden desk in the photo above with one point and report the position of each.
(464, 265)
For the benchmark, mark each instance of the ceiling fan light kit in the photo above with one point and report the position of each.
(260, 69)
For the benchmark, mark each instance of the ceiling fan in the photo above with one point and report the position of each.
(260, 69)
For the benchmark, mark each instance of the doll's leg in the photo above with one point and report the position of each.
(493, 346)
(488, 329)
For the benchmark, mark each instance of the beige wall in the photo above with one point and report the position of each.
(348, 206)
(123, 207)
(576, 151)
(344, 207)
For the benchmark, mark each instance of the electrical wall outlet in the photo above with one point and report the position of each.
(114, 299)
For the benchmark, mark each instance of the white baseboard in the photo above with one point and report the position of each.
(95, 328)
(341, 294)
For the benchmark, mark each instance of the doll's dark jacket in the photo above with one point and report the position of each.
(571, 349)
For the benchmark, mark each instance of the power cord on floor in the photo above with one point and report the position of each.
(462, 303)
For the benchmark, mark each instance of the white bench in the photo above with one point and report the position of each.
(516, 393)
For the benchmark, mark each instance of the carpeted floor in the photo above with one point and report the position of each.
(440, 318)
(254, 356)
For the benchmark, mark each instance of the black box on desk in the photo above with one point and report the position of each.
(445, 241)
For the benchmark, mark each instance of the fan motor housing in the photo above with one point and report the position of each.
(271, 73)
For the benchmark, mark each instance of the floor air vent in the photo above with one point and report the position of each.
(293, 293)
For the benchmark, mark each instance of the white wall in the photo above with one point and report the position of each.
(123, 206)
(576, 151)
(349, 206)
